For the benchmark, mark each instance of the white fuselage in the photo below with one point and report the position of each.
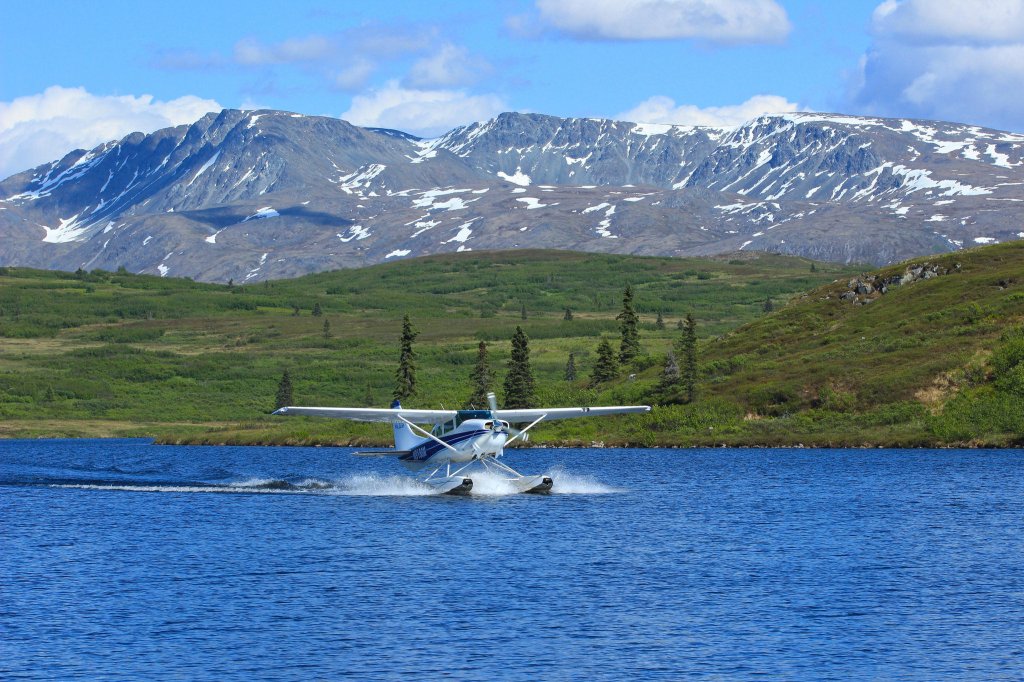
(472, 439)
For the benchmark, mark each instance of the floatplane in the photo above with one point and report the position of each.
(459, 440)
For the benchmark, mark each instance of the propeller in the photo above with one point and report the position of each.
(492, 402)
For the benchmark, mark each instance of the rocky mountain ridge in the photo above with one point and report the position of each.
(250, 195)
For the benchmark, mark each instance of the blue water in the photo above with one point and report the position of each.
(124, 560)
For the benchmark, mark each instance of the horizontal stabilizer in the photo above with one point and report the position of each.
(381, 453)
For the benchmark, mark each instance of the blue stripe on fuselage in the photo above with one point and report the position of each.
(425, 451)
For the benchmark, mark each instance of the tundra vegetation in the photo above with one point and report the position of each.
(928, 352)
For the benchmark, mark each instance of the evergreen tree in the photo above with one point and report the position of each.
(405, 377)
(284, 395)
(570, 368)
(768, 305)
(519, 385)
(628, 322)
(482, 378)
(568, 315)
(688, 350)
(814, 268)
(660, 322)
(679, 325)
(231, 284)
(670, 375)
(317, 311)
(607, 366)
(327, 328)
(522, 311)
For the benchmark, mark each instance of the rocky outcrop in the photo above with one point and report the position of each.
(867, 288)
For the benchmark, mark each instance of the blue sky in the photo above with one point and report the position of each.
(80, 73)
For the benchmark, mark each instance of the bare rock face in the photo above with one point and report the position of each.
(250, 195)
(867, 288)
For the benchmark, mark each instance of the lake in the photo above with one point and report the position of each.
(125, 560)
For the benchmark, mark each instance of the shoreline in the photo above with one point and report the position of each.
(246, 434)
(550, 445)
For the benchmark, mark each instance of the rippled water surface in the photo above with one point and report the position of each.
(124, 560)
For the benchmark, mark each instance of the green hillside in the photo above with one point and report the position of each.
(931, 361)
(115, 353)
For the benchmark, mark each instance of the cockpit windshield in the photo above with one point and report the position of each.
(460, 416)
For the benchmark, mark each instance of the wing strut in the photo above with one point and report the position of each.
(521, 432)
(426, 433)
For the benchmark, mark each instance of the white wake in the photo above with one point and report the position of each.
(485, 484)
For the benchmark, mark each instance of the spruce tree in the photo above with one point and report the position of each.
(660, 322)
(629, 348)
(570, 368)
(607, 366)
(768, 305)
(522, 311)
(568, 315)
(688, 350)
(327, 328)
(317, 310)
(670, 374)
(284, 395)
(405, 376)
(519, 385)
(482, 378)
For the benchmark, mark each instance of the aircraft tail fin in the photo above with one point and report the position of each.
(405, 439)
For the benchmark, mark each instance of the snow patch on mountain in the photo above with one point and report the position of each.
(204, 168)
(463, 233)
(357, 232)
(70, 230)
(428, 200)
(533, 203)
(263, 214)
(518, 178)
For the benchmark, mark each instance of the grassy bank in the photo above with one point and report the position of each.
(118, 354)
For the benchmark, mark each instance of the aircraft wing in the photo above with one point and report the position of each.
(365, 414)
(523, 416)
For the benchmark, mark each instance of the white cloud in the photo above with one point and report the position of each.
(420, 111)
(945, 21)
(355, 75)
(38, 128)
(313, 48)
(722, 21)
(661, 109)
(955, 60)
(450, 66)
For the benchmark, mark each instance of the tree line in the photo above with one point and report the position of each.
(677, 382)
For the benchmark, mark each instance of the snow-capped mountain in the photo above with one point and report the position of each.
(250, 195)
